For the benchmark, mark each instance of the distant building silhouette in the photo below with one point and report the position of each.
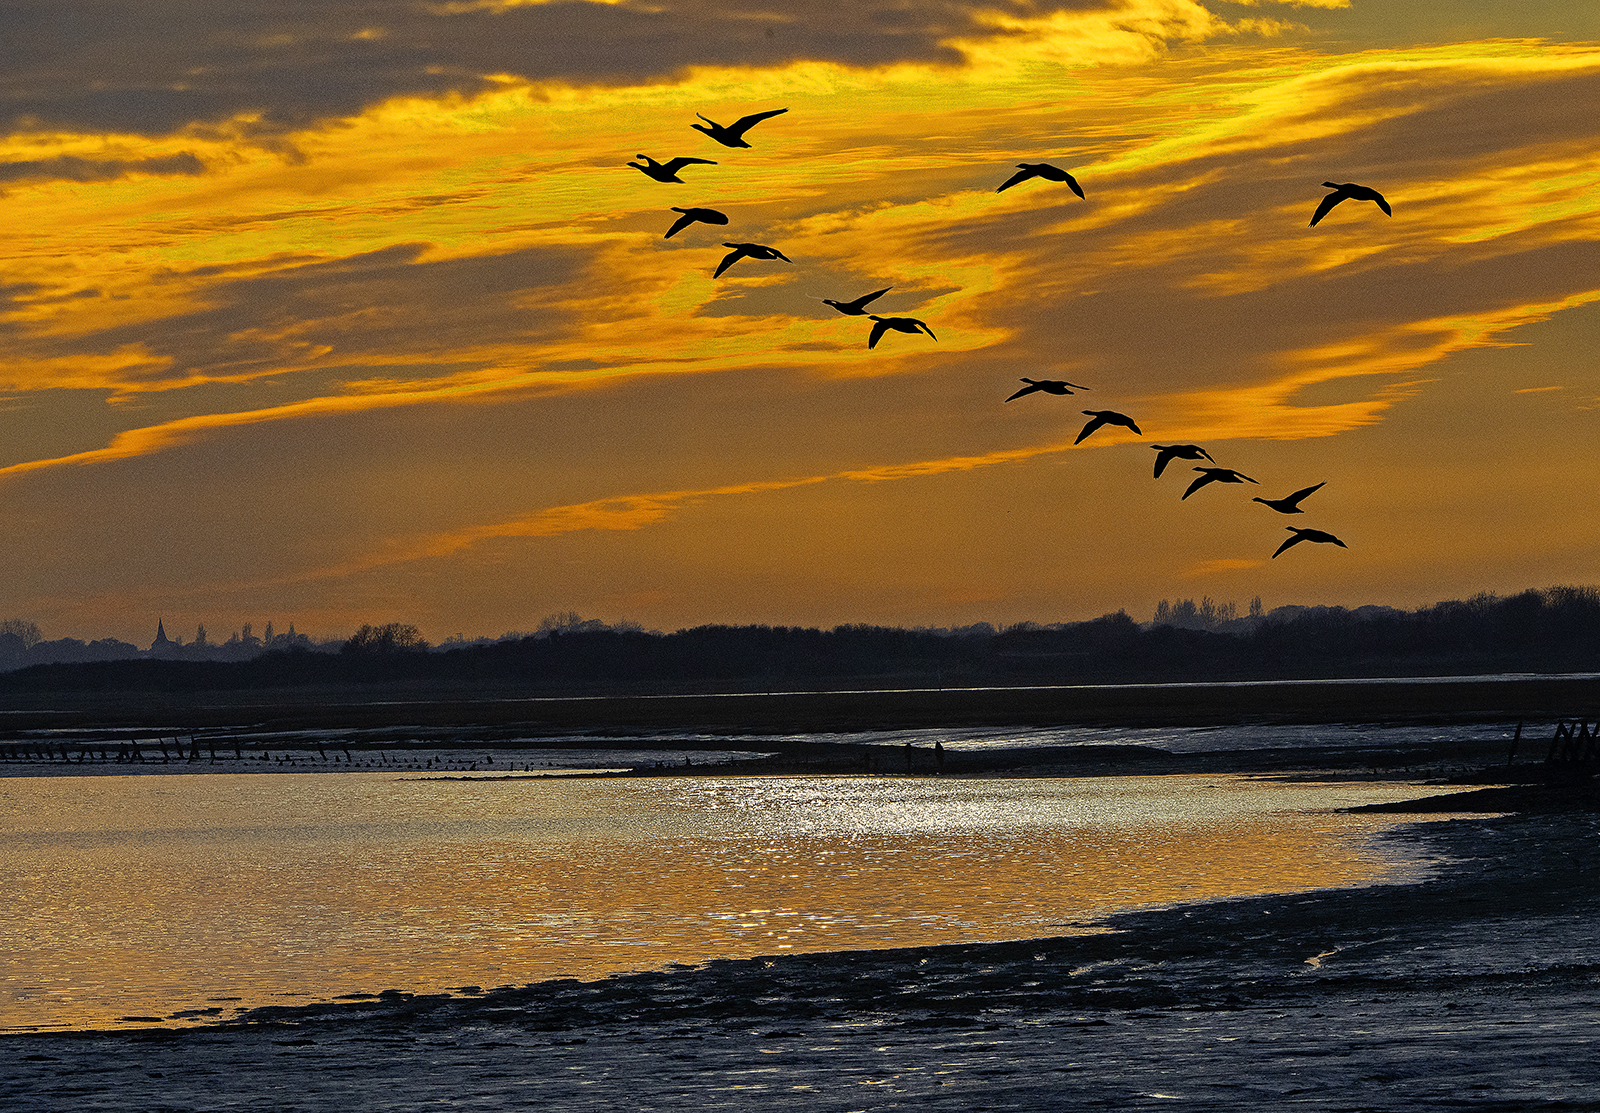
(164, 646)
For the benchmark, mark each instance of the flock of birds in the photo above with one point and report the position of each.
(732, 135)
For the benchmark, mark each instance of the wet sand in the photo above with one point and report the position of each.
(1478, 989)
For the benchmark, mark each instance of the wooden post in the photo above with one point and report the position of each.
(1555, 742)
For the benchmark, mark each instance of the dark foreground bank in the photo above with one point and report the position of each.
(1478, 990)
(405, 711)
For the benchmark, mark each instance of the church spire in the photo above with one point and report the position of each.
(161, 637)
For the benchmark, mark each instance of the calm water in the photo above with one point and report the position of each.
(188, 897)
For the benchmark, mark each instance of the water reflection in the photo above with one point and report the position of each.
(162, 895)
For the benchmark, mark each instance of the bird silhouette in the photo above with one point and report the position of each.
(857, 308)
(1105, 417)
(1041, 170)
(704, 216)
(733, 134)
(1216, 475)
(898, 324)
(1308, 535)
(1290, 504)
(1166, 453)
(748, 251)
(1049, 386)
(665, 171)
(1347, 191)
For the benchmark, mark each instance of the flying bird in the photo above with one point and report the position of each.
(1106, 417)
(733, 134)
(1308, 535)
(1049, 386)
(857, 308)
(1166, 453)
(1216, 475)
(665, 171)
(748, 251)
(1290, 504)
(1043, 170)
(898, 324)
(704, 216)
(1348, 191)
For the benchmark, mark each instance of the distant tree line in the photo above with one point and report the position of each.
(1553, 630)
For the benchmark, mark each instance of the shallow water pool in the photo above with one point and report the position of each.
(190, 897)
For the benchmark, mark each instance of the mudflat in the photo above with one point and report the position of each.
(1509, 699)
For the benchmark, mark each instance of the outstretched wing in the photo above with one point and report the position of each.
(1300, 494)
(729, 260)
(680, 224)
(1382, 204)
(1124, 419)
(780, 255)
(1019, 176)
(1025, 390)
(1326, 206)
(1199, 483)
(923, 325)
(865, 299)
(1072, 183)
(1163, 458)
(878, 329)
(745, 123)
(1093, 424)
(679, 163)
(1295, 540)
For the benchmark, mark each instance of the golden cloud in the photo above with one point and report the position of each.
(1223, 564)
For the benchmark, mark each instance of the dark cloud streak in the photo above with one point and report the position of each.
(154, 67)
(73, 169)
(386, 302)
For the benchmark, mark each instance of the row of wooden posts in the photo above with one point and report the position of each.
(144, 751)
(175, 749)
(1574, 744)
(192, 750)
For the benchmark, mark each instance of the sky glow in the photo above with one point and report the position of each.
(333, 314)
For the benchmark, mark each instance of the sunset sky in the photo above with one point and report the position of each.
(346, 312)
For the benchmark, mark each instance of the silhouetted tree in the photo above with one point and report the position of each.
(1185, 613)
(392, 637)
(27, 632)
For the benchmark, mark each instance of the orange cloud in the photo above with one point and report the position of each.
(170, 434)
(1224, 564)
(632, 512)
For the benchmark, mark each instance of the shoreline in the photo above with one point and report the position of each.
(1464, 760)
